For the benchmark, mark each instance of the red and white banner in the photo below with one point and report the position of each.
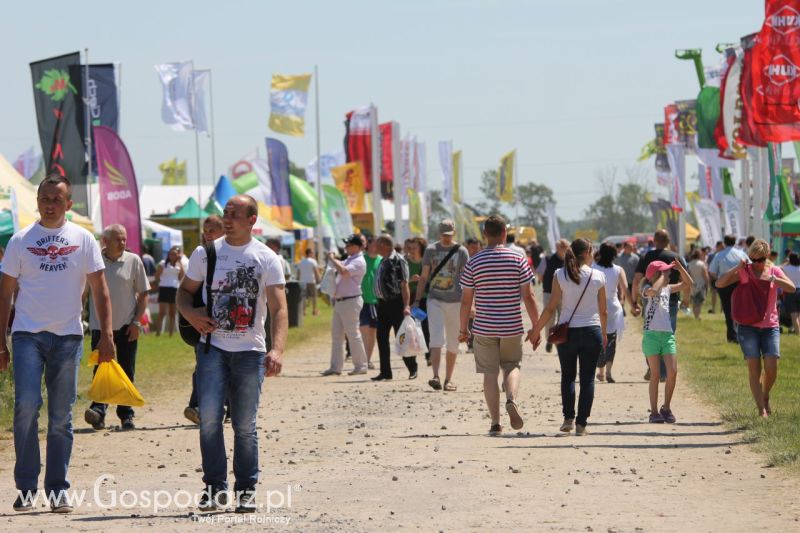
(389, 148)
(671, 131)
(358, 141)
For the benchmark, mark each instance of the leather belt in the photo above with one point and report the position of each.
(346, 298)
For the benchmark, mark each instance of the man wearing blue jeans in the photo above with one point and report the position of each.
(248, 280)
(48, 264)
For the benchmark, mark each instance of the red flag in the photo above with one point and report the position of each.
(387, 132)
(671, 133)
(358, 141)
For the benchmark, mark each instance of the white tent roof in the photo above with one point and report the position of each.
(169, 236)
(166, 199)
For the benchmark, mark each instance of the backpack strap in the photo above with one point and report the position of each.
(211, 265)
(441, 264)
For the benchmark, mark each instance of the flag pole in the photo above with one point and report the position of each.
(213, 132)
(197, 160)
(88, 125)
(399, 186)
(319, 170)
(377, 208)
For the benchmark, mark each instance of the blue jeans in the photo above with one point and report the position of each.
(58, 358)
(238, 374)
(584, 345)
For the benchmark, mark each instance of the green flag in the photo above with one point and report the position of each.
(779, 202)
(727, 183)
(707, 116)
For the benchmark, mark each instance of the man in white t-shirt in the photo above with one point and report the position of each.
(248, 279)
(49, 263)
(308, 275)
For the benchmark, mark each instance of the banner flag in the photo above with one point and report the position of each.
(406, 172)
(358, 141)
(416, 220)
(337, 213)
(28, 163)
(677, 162)
(278, 157)
(327, 161)
(176, 82)
(504, 189)
(60, 116)
(665, 217)
(288, 99)
(349, 179)
(390, 148)
(727, 183)
(200, 82)
(553, 233)
(707, 213)
(710, 183)
(780, 202)
(687, 124)
(671, 135)
(727, 129)
(732, 211)
(446, 162)
(662, 163)
(119, 195)
(457, 168)
(101, 97)
(262, 191)
(708, 114)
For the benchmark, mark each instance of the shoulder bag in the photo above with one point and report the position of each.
(560, 333)
(190, 335)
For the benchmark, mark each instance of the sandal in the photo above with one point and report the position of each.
(513, 414)
(609, 379)
(495, 430)
(435, 383)
(449, 386)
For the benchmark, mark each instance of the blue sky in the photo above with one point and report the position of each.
(574, 86)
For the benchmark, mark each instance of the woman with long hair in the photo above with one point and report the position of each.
(582, 294)
(616, 291)
(169, 275)
(762, 338)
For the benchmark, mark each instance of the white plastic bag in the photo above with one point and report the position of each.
(409, 340)
(328, 283)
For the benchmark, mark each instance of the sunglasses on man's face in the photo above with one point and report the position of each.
(758, 259)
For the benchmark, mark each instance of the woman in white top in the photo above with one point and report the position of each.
(581, 293)
(616, 290)
(700, 281)
(792, 300)
(169, 275)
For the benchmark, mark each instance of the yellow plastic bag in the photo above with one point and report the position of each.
(111, 385)
(94, 358)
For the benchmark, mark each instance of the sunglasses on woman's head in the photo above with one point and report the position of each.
(758, 260)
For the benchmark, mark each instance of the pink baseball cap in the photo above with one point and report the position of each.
(656, 266)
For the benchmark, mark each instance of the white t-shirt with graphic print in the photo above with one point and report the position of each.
(50, 266)
(656, 313)
(239, 303)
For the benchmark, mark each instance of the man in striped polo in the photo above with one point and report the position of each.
(497, 277)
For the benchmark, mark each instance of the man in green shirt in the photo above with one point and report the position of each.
(368, 319)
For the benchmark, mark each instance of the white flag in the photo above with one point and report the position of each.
(733, 216)
(446, 162)
(677, 165)
(176, 109)
(262, 193)
(710, 183)
(28, 162)
(707, 213)
(200, 86)
(327, 161)
(553, 233)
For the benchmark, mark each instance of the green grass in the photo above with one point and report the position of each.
(163, 365)
(717, 372)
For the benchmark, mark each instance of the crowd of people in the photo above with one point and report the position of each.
(231, 294)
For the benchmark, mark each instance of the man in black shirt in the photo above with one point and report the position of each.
(553, 263)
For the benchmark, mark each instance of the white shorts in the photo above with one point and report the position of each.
(444, 321)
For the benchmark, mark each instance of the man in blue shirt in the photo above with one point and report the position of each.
(724, 261)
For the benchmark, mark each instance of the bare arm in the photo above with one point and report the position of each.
(637, 281)
(602, 310)
(157, 277)
(338, 265)
(423, 282)
(730, 277)
(467, 295)
(406, 295)
(8, 287)
(102, 304)
(279, 327)
(197, 316)
(623, 286)
(783, 282)
(547, 314)
(530, 303)
(686, 279)
(656, 287)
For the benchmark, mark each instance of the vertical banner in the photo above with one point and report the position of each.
(335, 207)
(349, 179)
(707, 213)
(662, 163)
(553, 232)
(28, 163)
(665, 217)
(288, 99)
(327, 161)
(358, 141)
(59, 113)
(176, 82)
(677, 164)
(446, 162)
(504, 189)
(281, 200)
(710, 183)
(119, 195)
(101, 97)
(201, 80)
(727, 130)
(415, 217)
(457, 168)
(732, 211)
(422, 183)
(687, 124)
(389, 132)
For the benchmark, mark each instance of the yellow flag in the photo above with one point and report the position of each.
(167, 169)
(415, 220)
(505, 177)
(180, 173)
(349, 179)
(457, 176)
(288, 98)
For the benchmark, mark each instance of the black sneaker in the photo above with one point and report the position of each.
(128, 425)
(548, 347)
(213, 499)
(246, 500)
(25, 500)
(94, 419)
(59, 503)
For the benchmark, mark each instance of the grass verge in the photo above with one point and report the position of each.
(717, 372)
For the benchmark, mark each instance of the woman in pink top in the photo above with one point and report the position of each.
(761, 339)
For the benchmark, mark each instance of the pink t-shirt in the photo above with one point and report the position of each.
(772, 300)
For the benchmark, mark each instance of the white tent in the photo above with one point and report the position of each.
(166, 199)
(169, 236)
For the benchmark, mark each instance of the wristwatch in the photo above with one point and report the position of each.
(137, 324)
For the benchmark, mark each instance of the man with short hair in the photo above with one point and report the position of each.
(511, 244)
(472, 245)
(551, 264)
(48, 264)
(628, 260)
(274, 244)
(308, 276)
(128, 286)
(347, 301)
(497, 278)
(446, 259)
(368, 318)
(391, 288)
(247, 281)
(729, 258)
(709, 258)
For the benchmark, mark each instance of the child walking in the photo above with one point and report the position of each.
(658, 340)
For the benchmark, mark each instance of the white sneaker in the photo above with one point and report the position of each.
(357, 372)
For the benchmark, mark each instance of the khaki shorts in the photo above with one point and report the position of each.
(494, 353)
(311, 290)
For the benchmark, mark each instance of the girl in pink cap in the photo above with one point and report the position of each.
(658, 339)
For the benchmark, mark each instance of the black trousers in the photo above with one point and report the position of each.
(423, 304)
(126, 357)
(390, 316)
(725, 295)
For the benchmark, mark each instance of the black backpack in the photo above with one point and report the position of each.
(190, 335)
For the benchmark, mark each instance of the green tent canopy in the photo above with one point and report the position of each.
(190, 210)
(790, 224)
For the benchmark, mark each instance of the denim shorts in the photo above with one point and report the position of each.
(757, 342)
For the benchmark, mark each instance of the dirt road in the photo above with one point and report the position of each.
(346, 453)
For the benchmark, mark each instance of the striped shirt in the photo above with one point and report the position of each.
(496, 274)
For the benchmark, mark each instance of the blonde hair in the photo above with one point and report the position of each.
(758, 248)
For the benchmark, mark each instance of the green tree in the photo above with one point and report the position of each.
(438, 212)
(490, 204)
(623, 209)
